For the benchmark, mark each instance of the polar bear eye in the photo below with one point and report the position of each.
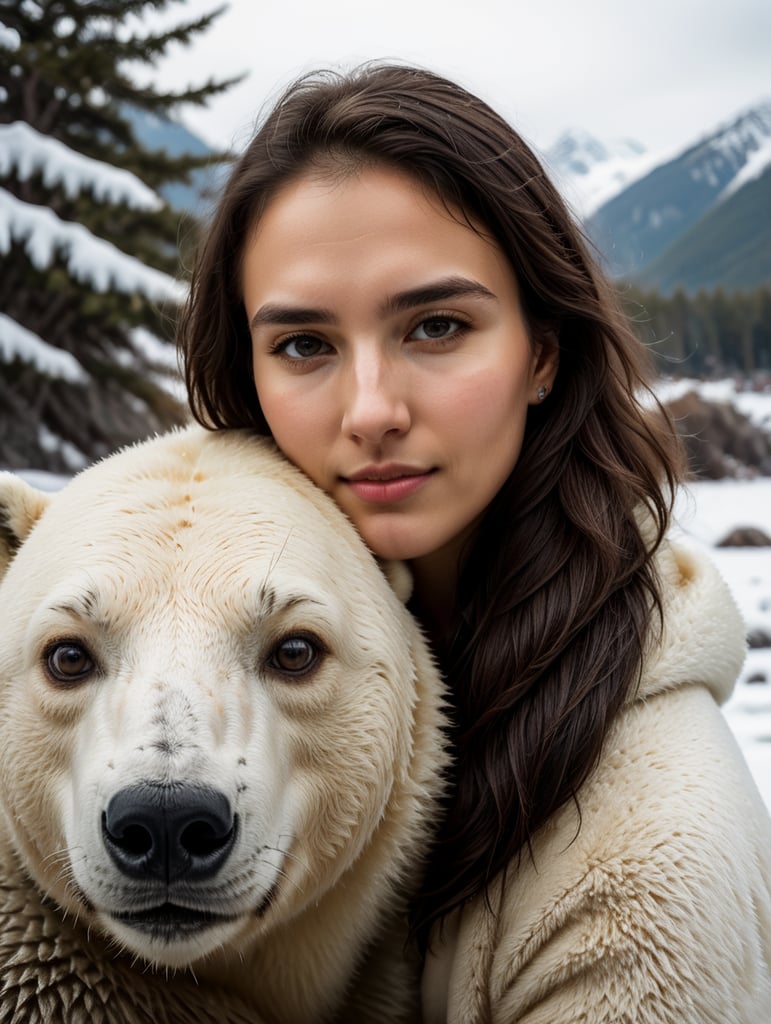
(296, 655)
(68, 662)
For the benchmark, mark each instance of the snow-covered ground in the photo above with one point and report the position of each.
(707, 511)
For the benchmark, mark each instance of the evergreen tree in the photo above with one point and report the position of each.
(88, 249)
(711, 334)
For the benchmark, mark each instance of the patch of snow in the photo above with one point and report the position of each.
(663, 215)
(9, 38)
(139, 405)
(590, 173)
(744, 135)
(611, 178)
(710, 174)
(710, 509)
(734, 154)
(164, 356)
(16, 342)
(577, 152)
(51, 442)
(167, 375)
(97, 97)
(42, 479)
(89, 259)
(162, 353)
(757, 162)
(64, 26)
(705, 512)
(27, 152)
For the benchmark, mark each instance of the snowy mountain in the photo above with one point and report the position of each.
(589, 172)
(728, 248)
(638, 225)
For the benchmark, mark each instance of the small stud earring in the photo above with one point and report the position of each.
(543, 391)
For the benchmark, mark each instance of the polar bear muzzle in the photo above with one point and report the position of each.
(172, 833)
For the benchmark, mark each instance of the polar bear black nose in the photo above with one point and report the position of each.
(169, 832)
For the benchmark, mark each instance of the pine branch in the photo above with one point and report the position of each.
(148, 49)
(149, 99)
(70, 77)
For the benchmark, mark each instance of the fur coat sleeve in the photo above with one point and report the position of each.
(652, 903)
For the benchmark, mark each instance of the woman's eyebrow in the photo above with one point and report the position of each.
(273, 313)
(436, 291)
(424, 295)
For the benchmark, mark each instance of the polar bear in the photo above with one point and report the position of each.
(220, 744)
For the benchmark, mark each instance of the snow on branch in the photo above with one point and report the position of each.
(150, 346)
(27, 151)
(9, 38)
(16, 342)
(51, 442)
(89, 259)
(162, 355)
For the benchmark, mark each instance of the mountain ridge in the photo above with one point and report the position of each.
(674, 209)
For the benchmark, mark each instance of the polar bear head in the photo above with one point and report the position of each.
(215, 710)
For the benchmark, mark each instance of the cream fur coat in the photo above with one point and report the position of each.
(655, 906)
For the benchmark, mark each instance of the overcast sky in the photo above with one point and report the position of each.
(663, 72)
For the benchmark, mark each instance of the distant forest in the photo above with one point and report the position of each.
(710, 334)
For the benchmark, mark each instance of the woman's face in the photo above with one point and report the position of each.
(391, 357)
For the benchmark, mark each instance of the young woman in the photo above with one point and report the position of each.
(393, 289)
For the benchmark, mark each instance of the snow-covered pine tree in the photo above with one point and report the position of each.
(89, 255)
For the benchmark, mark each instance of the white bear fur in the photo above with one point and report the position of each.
(178, 564)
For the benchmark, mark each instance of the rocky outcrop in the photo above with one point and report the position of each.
(719, 440)
(745, 537)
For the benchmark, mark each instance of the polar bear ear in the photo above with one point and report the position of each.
(20, 508)
(400, 578)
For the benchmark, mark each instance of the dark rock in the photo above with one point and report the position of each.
(719, 440)
(758, 637)
(757, 677)
(745, 537)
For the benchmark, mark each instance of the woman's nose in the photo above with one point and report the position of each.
(376, 404)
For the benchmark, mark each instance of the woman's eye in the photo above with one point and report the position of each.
(296, 655)
(436, 328)
(68, 662)
(304, 346)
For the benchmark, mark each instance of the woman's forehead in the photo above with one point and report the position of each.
(317, 228)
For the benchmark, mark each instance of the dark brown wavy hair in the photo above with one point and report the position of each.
(557, 593)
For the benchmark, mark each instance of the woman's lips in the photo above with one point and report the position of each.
(383, 488)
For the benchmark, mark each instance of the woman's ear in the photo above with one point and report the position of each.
(546, 361)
